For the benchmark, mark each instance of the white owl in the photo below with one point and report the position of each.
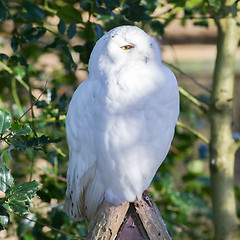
(120, 122)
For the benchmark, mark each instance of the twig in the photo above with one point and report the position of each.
(190, 77)
(196, 133)
(15, 96)
(6, 68)
(192, 99)
(185, 229)
(58, 150)
(52, 119)
(53, 228)
(44, 89)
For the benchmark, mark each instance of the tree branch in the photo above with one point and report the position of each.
(193, 99)
(190, 77)
(191, 130)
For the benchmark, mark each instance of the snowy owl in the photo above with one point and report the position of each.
(120, 122)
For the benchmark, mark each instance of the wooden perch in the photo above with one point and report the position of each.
(140, 220)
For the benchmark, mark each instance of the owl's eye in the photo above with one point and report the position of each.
(126, 47)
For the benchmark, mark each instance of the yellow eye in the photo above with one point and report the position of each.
(126, 47)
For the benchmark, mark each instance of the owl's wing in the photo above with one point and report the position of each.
(85, 190)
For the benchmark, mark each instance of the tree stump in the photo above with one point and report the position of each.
(140, 220)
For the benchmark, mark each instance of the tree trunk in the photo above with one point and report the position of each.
(222, 145)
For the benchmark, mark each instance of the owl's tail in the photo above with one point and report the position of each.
(84, 195)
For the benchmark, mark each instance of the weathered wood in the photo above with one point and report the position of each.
(132, 227)
(151, 218)
(108, 220)
(140, 220)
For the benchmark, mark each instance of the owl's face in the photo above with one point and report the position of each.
(122, 47)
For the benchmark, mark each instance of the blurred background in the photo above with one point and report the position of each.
(44, 51)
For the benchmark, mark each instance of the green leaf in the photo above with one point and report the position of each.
(4, 218)
(215, 3)
(15, 126)
(57, 43)
(26, 17)
(86, 6)
(111, 4)
(71, 31)
(157, 27)
(14, 43)
(195, 166)
(19, 198)
(25, 130)
(27, 189)
(33, 34)
(135, 13)
(132, 2)
(17, 143)
(3, 56)
(78, 48)
(69, 55)
(69, 14)
(33, 10)
(203, 23)
(61, 27)
(102, 11)
(3, 12)
(99, 30)
(28, 237)
(4, 121)
(84, 51)
(18, 206)
(6, 178)
(20, 71)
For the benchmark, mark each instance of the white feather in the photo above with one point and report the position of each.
(120, 122)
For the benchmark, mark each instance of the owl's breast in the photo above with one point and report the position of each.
(132, 88)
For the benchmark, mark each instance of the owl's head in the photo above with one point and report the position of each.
(122, 47)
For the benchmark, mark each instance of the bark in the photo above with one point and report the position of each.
(130, 221)
(222, 145)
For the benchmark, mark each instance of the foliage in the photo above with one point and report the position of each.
(34, 102)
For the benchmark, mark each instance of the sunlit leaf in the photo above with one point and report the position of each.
(17, 143)
(69, 14)
(19, 197)
(4, 218)
(25, 130)
(215, 3)
(15, 126)
(20, 71)
(195, 166)
(26, 190)
(6, 178)
(4, 121)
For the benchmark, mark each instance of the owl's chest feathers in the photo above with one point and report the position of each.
(129, 90)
